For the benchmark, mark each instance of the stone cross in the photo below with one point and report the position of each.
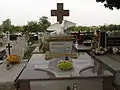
(60, 13)
(9, 48)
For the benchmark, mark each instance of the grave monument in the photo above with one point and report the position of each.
(52, 73)
(110, 59)
(60, 44)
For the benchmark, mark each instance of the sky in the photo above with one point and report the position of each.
(82, 12)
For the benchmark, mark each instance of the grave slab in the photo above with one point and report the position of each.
(61, 79)
(8, 77)
(115, 56)
(82, 48)
(110, 62)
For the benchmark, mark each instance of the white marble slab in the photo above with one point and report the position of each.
(82, 47)
(7, 77)
(60, 46)
(10, 75)
(51, 66)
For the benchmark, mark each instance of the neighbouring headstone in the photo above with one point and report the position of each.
(113, 41)
(13, 37)
(115, 34)
(88, 37)
(33, 38)
(102, 39)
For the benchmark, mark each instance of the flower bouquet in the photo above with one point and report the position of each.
(65, 65)
(99, 51)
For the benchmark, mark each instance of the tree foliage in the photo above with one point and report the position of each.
(32, 26)
(110, 3)
(6, 26)
(40, 26)
(44, 23)
(110, 27)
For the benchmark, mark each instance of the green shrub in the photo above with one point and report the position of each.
(28, 52)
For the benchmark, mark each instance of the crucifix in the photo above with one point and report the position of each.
(60, 12)
(9, 46)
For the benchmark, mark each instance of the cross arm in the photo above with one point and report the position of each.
(53, 12)
(66, 13)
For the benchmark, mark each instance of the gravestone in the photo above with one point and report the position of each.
(8, 77)
(102, 39)
(113, 41)
(115, 34)
(13, 37)
(60, 44)
(33, 38)
(2, 39)
(3, 42)
(18, 48)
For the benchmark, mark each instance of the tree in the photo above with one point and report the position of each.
(25, 28)
(110, 3)
(16, 29)
(44, 23)
(1, 29)
(6, 26)
(73, 28)
(33, 26)
(104, 27)
(118, 27)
